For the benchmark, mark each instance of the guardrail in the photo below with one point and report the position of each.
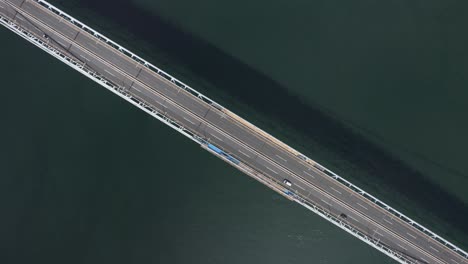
(128, 53)
(175, 125)
(82, 68)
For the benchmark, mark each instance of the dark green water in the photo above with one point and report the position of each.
(86, 178)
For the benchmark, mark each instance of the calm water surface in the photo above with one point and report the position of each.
(86, 178)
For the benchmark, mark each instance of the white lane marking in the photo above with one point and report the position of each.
(217, 138)
(61, 43)
(84, 57)
(353, 218)
(281, 158)
(402, 246)
(240, 151)
(335, 190)
(189, 120)
(410, 235)
(388, 221)
(271, 169)
(20, 18)
(308, 174)
(326, 202)
(300, 187)
(377, 232)
(92, 45)
(451, 260)
(362, 206)
(424, 260)
(434, 248)
(109, 72)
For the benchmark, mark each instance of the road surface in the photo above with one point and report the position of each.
(254, 149)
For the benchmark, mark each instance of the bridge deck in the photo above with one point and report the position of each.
(218, 127)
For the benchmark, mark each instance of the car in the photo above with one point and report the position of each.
(288, 183)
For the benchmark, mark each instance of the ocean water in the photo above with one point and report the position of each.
(87, 178)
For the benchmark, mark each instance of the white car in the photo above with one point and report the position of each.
(288, 183)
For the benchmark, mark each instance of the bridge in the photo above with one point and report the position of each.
(226, 135)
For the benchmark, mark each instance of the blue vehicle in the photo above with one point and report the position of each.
(219, 151)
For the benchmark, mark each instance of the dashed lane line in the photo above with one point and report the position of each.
(335, 190)
(281, 158)
(271, 169)
(217, 137)
(308, 174)
(402, 246)
(240, 151)
(434, 249)
(109, 72)
(388, 221)
(362, 206)
(189, 120)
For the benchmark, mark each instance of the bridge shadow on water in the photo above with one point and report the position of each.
(222, 70)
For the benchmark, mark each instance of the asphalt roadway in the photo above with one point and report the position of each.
(219, 128)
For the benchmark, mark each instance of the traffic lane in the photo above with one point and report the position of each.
(150, 79)
(107, 53)
(195, 105)
(332, 204)
(177, 94)
(81, 37)
(331, 186)
(321, 199)
(54, 37)
(116, 58)
(45, 16)
(228, 144)
(226, 125)
(272, 170)
(184, 118)
(368, 208)
(174, 92)
(373, 212)
(145, 95)
(166, 108)
(7, 10)
(23, 22)
(232, 147)
(180, 98)
(153, 81)
(336, 209)
(398, 242)
(16, 3)
(354, 200)
(110, 72)
(319, 181)
(357, 220)
(102, 68)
